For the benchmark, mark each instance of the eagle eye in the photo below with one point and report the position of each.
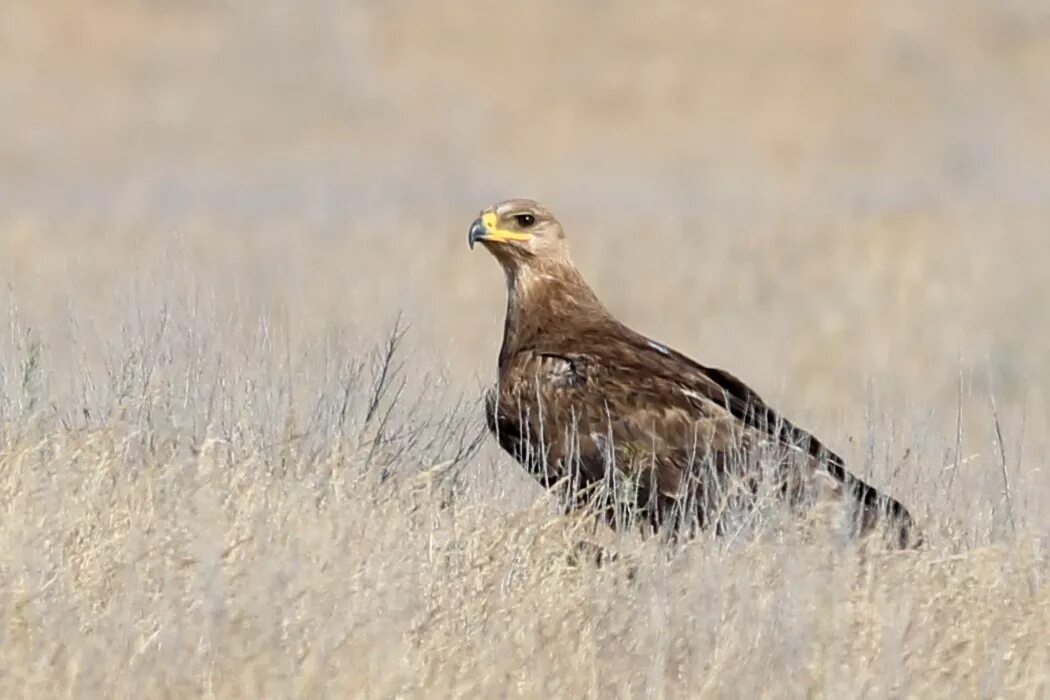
(525, 220)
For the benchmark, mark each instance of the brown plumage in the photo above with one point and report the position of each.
(628, 426)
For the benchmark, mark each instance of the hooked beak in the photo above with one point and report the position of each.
(478, 232)
(486, 228)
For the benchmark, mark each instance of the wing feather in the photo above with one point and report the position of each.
(637, 407)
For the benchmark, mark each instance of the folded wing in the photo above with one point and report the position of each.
(621, 421)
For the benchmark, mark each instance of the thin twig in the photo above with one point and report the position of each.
(958, 433)
(1002, 462)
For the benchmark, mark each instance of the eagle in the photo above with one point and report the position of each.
(617, 422)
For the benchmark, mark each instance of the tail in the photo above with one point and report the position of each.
(876, 509)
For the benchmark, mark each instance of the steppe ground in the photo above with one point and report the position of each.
(215, 481)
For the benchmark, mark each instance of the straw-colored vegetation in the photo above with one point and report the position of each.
(242, 342)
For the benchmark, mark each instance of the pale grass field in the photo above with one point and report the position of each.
(216, 481)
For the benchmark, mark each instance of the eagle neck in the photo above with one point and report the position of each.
(544, 302)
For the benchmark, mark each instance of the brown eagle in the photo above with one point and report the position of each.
(632, 428)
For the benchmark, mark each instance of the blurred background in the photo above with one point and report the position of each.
(845, 203)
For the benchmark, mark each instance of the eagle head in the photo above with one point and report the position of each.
(519, 232)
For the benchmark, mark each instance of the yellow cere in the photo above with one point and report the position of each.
(491, 222)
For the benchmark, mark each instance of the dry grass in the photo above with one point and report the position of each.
(217, 479)
(255, 521)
